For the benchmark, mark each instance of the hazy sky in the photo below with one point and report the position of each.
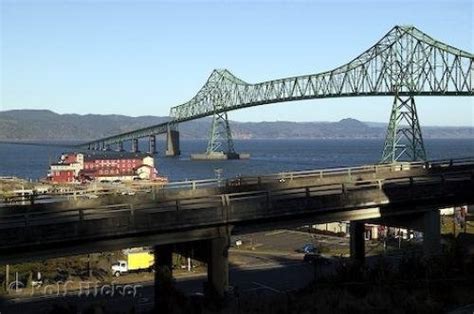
(142, 57)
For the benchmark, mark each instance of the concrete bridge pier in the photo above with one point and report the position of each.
(135, 145)
(357, 241)
(431, 233)
(428, 222)
(120, 146)
(218, 267)
(163, 278)
(172, 142)
(152, 144)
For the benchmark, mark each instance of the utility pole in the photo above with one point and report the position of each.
(399, 238)
(16, 282)
(7, 276)
(454, 221)
(89, 265)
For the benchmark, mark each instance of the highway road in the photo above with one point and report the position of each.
(269, 278)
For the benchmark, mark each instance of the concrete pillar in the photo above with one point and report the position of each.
(431, 233)
(102, 146)
(357, 241)
(107, 147)
(163, 278)
(120, 146)
(172, 143)
(135, 145)
(152, 144)
(218, 267)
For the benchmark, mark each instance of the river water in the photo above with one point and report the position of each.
(267, 156)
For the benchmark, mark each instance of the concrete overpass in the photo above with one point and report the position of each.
(203, 218)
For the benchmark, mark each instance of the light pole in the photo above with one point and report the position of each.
(218, 174)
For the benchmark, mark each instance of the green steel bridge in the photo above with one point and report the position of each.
(403, 64)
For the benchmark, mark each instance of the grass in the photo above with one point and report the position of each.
(447, 226)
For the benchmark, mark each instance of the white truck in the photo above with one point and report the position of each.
(136, 259)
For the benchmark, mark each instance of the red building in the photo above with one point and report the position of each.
(109, 166)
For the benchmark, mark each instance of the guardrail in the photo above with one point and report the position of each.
(222, 201)
(349, 172)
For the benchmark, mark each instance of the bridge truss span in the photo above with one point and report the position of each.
(405, 61)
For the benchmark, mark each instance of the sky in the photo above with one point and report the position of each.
(143, 57)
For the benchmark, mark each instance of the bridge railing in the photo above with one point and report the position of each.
(224, 201)
(192, 184)
(350, 172)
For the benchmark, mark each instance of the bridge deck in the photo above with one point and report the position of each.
(176, 218)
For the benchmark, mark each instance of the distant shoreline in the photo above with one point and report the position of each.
(61, 143)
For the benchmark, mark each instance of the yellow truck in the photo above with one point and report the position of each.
(137, 259)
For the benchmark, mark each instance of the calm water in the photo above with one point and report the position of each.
(267, 156)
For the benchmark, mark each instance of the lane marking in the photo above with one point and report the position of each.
(266, 287)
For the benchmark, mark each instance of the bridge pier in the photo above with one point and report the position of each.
(172, 142)
(120, 146)
(221, 144)
(163, 278)
(135, 145)
(431, 233)
(428, 222)
(357, 241)
(152, 144)
(218, 267)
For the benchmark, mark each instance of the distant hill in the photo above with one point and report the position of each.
(24, 125)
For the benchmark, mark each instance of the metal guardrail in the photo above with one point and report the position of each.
(349, 172)
(26, 220)
(323, 173)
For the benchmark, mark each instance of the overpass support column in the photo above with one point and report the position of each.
(357, 241)
(163, 278)
(172, 142)
(431, 233)
(120, 146)
(135, 145)
(218, 267)
(152, 144)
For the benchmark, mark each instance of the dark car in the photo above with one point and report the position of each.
(314, 258)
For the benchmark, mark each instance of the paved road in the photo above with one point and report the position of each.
(270, 278)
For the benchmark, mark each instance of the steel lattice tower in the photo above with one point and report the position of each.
(403, 139)
(219, 133)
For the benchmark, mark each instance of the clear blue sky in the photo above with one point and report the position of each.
(142, 57)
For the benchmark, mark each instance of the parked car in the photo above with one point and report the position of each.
(314, 258)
